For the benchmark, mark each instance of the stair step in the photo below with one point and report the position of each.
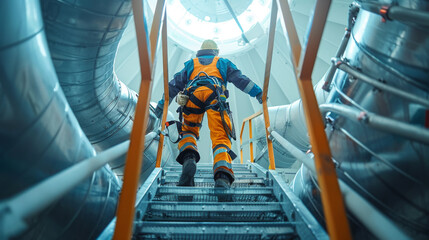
(210, 175)
(206, 170)
(251, 180)
(199, 194)
(215, 230)
(215, 212)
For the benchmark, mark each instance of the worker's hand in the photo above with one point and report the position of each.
(259, 97)
(159, 109)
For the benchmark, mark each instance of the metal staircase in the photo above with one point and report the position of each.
(258, 206)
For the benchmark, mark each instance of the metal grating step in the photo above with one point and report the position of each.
(214, 212)
(208, 171)
(215, 231)
(211, 184)
(210, 175)
(198, 194)
(197, 179)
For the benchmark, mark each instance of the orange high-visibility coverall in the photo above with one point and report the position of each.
(201, 98)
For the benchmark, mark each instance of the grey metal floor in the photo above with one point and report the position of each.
(249, 210)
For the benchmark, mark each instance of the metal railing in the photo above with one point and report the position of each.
(303, 60)
(367, 214)
(125, 212)
(248, 119)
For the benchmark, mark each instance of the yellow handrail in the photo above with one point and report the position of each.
(249, 119)
(125, 211)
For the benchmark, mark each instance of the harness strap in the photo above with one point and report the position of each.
(188, 110)
(197, 101)
(192, 124)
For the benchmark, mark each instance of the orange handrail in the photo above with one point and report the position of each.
(249, 119)
(267, 74)
(166, 91)
(303, 63)
(125, 212)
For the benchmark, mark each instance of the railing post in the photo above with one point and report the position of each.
(166, 91)
(251, 140)
(125, 211)
(273, 21)
(241, 141)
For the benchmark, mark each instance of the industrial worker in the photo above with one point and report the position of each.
(204, 80)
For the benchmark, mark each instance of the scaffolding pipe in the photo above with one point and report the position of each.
(340, 64)
(367, 214)
(380, 123)
(16, 209)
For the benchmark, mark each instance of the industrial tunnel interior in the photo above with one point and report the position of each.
(70, 74)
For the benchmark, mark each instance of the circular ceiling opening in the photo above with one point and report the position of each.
(192, 21)
(215, 10)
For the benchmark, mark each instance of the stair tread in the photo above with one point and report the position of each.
(210, 229)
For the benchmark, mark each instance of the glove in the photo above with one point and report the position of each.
(159, 109)
(259, 98)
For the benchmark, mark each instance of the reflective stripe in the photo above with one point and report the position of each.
(222, 163)
(189, 135)
(248, 87)
(220, 150)
(186, 145)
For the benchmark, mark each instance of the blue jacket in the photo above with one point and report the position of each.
(227, 69)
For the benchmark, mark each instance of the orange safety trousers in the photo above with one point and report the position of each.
(221, 144)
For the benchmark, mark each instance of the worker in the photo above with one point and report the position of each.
(203, 81)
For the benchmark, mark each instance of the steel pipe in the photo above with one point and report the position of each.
(367, 214)
(19, 207)
(340, 64)
(380, 123)
(398, 13)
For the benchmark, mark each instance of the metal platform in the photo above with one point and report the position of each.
(259, 205)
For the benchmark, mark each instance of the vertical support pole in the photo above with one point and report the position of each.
(241, 141)
(166, 91)
(251, 140)
(273, 21)
(125, 211)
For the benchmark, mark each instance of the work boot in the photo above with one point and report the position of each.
(189, 168)
(222, 181)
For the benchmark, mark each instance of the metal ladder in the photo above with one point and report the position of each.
(259, 205)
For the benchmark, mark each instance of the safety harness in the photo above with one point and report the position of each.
(221, 106)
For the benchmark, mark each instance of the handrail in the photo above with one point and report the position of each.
(16, 209)
(352, 71)
(303, 60)
(166, 91)
(249, 119)
(367, 214)
(267, 74)
(375, 121)
(125, 212)
(332, 200)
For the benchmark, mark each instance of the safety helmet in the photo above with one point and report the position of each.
(210, 44)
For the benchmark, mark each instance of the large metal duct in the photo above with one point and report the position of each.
(387, 169)
(288, 121)
(83, 37)
(39, 134)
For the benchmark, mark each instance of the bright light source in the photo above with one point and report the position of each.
(189, 30)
